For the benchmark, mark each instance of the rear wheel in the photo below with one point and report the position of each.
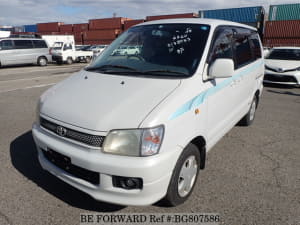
(248, 119)
(42, 61)
(69, 60)
(184, 176)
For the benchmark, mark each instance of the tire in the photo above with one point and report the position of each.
(87, 59)
(69, 61)
(42, 61)
(248, 119)
(184, 176)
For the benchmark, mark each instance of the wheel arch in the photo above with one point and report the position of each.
(200, 143)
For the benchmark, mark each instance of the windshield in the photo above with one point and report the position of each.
(284, 54)
(58, 45)
(155, 50)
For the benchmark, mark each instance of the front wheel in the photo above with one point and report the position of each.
(184, 176)
(248, 119)
(87, 59)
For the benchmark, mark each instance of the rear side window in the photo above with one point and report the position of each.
(23, 44)
(39, 44)
(221, 47)
(243, 53)
(6, 45)
(254, 39)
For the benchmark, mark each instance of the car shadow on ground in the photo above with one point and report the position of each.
(284, 92)
(24, 158)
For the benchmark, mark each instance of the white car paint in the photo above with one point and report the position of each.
(278, 69)
(96, 103)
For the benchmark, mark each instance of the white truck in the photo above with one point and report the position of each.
(62, 49)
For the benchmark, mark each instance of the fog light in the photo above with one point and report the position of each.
(127, 183)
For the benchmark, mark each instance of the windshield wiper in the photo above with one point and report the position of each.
(108, 67)
(168, 72)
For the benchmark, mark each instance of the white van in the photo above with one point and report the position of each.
(14, 51)
(133, 129)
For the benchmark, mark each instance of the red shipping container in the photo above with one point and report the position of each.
(66, 28)
(80, 27)
(48, 33)
(49, 27)
(65, 33)
(98, 42)
(78, 36)
(101, 34)
(172, 16)
(107, 23)
(282, 29)
(284, 42)
(130, 23)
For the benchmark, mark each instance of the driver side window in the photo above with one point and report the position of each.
(222, 45)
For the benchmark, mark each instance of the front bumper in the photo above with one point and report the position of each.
(282, 78)
(155, 171)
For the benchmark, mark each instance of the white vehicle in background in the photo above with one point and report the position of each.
(65, 52)
(17, 51)
(51, 39)
(98, 49)
(282, 66)
(62, 49)
(4, 34)
(266, 51)
(133, 129)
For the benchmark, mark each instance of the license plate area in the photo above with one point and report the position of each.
(64, 162)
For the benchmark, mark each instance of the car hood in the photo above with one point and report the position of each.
(282, 64)
(103, 102)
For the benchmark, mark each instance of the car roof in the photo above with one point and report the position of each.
(39, 39)
(212, 22)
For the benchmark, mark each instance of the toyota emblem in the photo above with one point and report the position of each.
(61, 131)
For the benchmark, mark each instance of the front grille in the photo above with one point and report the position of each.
(283, 78)
(63, 162)
(89, 139)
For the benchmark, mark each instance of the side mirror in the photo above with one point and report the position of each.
(221, 68)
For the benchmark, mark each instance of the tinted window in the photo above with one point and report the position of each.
(23, 44)
(6, 44)
(40, 44)
(284, 54)
(254, 39)
(243, 53)
(221, 47)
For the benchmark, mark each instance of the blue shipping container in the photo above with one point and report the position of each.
(30, 28)
(240, 15)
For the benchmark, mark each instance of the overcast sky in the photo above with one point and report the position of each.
(21, 12)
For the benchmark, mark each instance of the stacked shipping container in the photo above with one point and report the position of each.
(252, 16)
(48, 28)
(171, 16)
(283, 27)
(130, 23)
(104, 31)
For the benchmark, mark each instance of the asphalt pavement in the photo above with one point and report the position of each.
(252, 175)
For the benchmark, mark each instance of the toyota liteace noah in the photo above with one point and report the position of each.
(133, 129)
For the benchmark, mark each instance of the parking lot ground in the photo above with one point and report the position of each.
(252, 175)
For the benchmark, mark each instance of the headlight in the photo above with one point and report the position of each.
(135, 142)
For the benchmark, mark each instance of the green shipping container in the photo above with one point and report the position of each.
(284, 12)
